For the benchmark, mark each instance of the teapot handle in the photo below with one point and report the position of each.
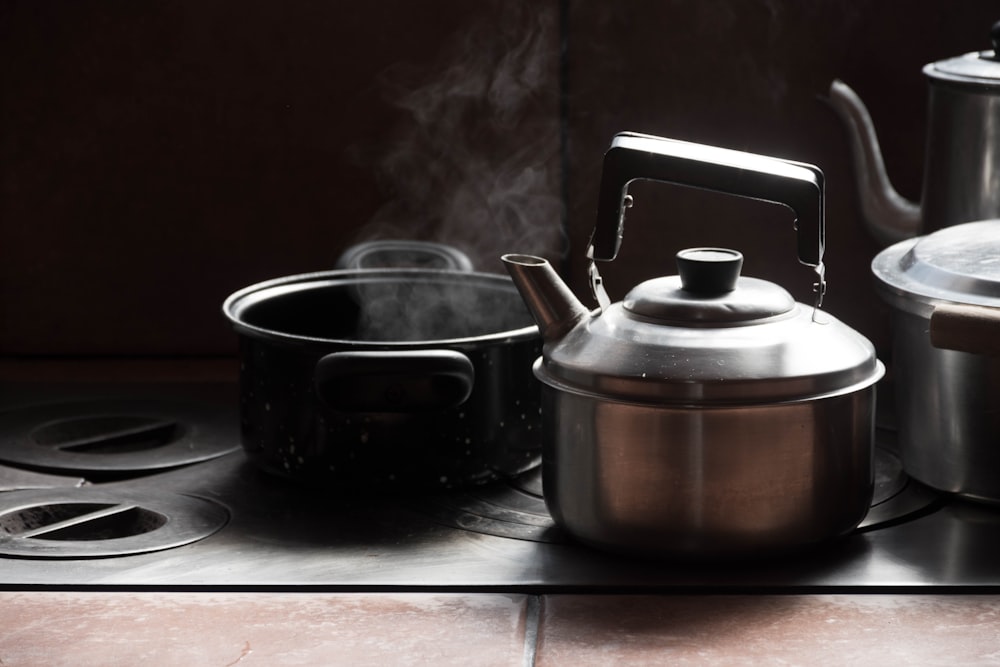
(633, 156)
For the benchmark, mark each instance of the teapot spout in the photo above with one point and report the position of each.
(553, 305)
(889, 216)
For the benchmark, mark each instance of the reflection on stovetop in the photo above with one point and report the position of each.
(201, 517)
(516, 508)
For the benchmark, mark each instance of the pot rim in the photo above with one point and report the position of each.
(237, 302)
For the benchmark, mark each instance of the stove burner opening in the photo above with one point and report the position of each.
(81, 521)
(112, 438)
(96, 522)
(108, 434)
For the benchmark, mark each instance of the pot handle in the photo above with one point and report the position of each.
(403, 253)
(966, 328)
(633, 156)
(394, 381)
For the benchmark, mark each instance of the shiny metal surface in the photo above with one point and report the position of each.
(706, 336)
(281, 537)
(960, 264)
(13, 479)
(550, 301)
(962, 164)
(99, 521)
(109, 438)
(950, 429)
(962, 173)
(706, 414)
(721, 481)
(767, 347)
(798, 355)
(979, 69)
(669, 301)
(516, 508)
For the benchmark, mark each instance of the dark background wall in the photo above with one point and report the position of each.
(754, 76)
(155, 156)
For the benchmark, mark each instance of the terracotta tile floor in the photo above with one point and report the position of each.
(812, 630)
(194, 629)
(228, 629)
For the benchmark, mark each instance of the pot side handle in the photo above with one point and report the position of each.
(394, 381)
(966, 328)
(403, 253)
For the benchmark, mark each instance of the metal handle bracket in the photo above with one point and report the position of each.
(632, 156)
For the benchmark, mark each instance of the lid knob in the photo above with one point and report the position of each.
(709, 270)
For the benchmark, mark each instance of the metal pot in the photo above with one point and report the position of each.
(388, 378)
(707, 413)
(947, 400)
(962, 168)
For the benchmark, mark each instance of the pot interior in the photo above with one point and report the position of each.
(408, 307)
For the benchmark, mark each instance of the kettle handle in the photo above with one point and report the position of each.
(633, 156)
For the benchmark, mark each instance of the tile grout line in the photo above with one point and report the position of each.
(532, 623)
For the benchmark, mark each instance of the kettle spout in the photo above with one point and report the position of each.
(890, 217)
(555, 308)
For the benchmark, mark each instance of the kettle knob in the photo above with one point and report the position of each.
(709, 270)
(995, 40)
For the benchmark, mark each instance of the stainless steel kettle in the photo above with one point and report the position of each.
(707, 413)
(962, 168)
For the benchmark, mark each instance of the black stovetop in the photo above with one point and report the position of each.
(166, 499)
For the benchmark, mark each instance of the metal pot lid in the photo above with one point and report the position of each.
(978, 69)
(959, 264)
(750, 343)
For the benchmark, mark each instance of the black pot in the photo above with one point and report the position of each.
(388, 377)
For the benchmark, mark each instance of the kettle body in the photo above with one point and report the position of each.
(962, 172)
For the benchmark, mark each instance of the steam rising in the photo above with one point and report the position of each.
(474, 162)
(412, 309)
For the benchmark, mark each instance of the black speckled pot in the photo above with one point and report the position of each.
(332, 399)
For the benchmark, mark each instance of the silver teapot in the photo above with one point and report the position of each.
(962, 168)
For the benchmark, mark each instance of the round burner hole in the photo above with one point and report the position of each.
(95, 522)
(111, 434)
(114, 438)
(81, 521)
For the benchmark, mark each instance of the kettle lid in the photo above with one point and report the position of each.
(709, 337)
(708, 290)
(979, 69)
